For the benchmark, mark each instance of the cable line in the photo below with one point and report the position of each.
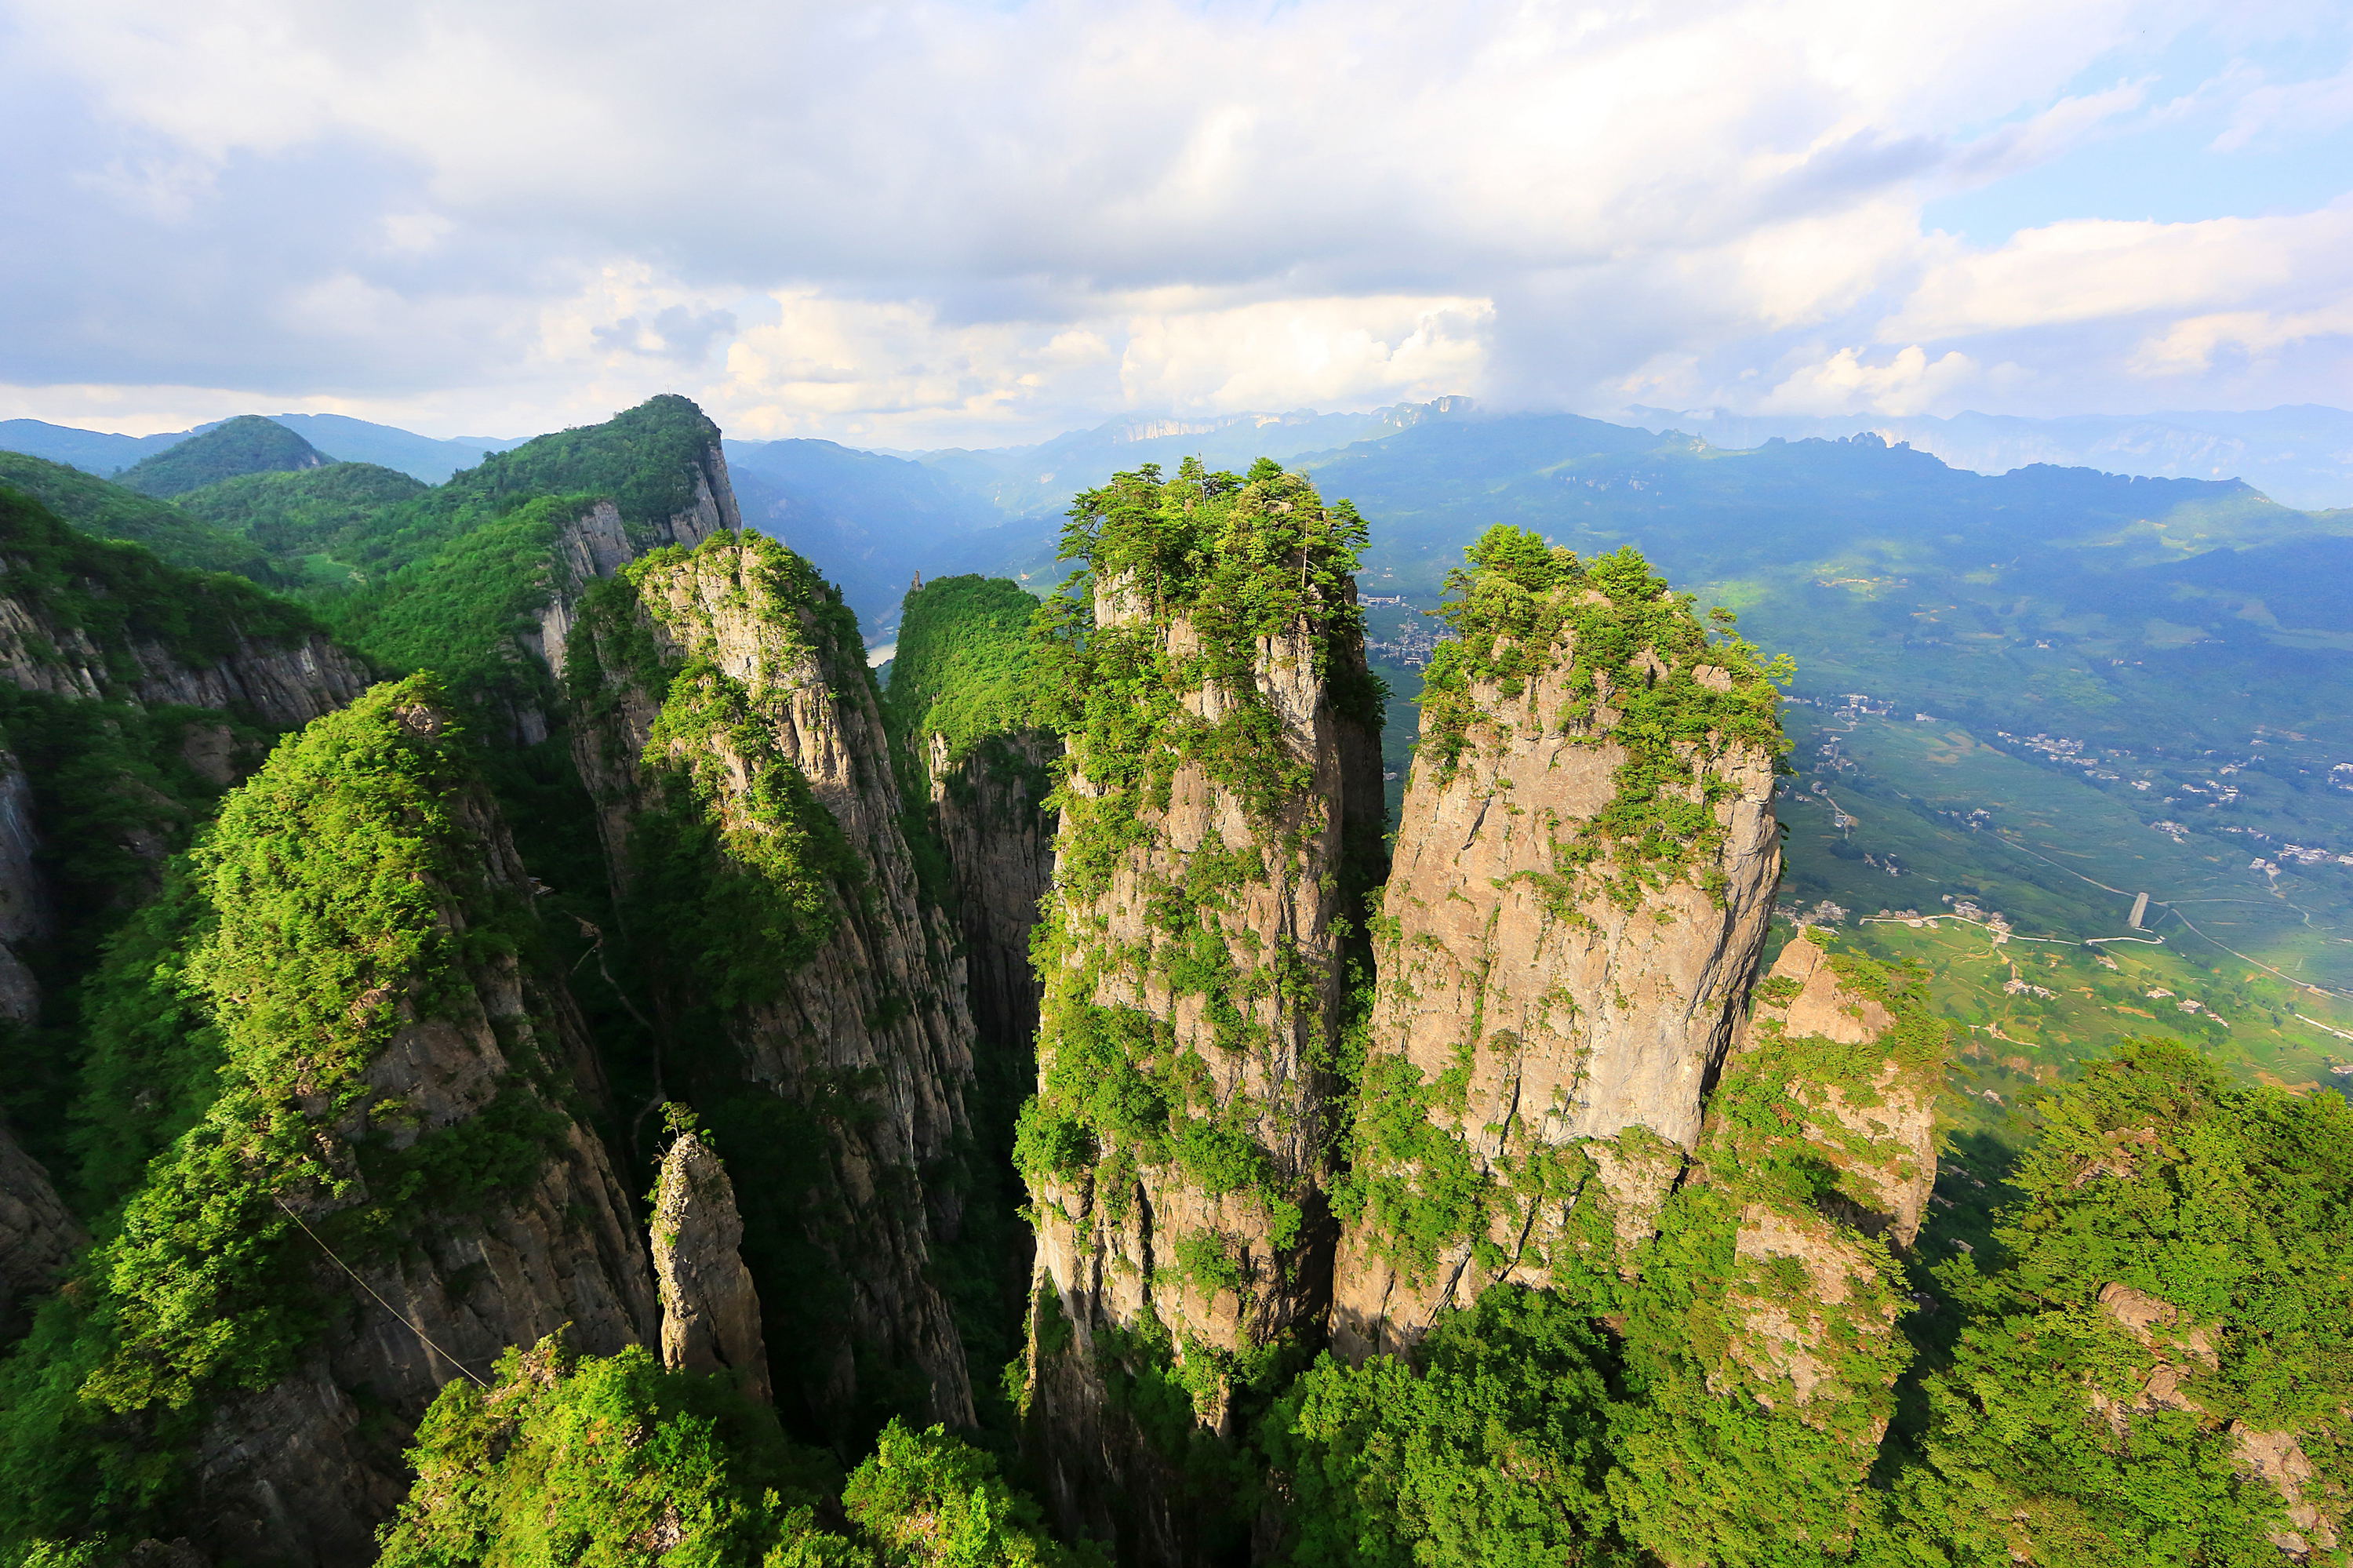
(371, 1289)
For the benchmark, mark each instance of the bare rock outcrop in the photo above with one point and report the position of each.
(768, 776)
(1852, 1062)
(1870, 1109)
(286, 681)
(2182, 1350)
(1564, 942)
(711, 1309)
(26, 910)
(599, 543)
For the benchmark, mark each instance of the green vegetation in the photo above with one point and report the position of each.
(961, 659)
(113, 796)
(119, 594)
(109, 511)
(2146, 1364)
(960, 675)
(646, 459)
(739, 874)
(1236, 560)
(340, 894)
(299, 517)
(2172, 1292)
(1491, 1451)
(246, 444)
(1642, 670)
(612, 1461)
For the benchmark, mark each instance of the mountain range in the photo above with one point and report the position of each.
(1513, 991)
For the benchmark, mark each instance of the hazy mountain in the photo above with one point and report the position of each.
(101, 452)
(860, 515)
(2299, 456)
(419, 457)
(1021, 481)
(337, 435)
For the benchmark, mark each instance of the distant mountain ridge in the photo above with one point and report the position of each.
(338, 435)
(2300, 456)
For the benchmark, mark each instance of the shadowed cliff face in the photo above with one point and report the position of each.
(37, 1232)
(813, 1006)
(83, 617)
(301, 1472)
(1221, 776)
(1582, 882)
(1000, 842)
(390, 1187)
(1764, 1325)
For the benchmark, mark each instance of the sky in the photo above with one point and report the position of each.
(913, 225)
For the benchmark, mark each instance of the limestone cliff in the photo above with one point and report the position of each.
(1221, 789)
(1583, 876)
(959, 709)
(711, 1309)
(598, 543)
(729, 732)
(393, 1185)
(1851, 1063)
(80, 617)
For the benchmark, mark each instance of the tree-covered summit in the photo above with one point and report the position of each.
(246, 444)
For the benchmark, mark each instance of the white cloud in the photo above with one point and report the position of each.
(931, 221)
(1908, 383)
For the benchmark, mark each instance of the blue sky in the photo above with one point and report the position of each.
(928, 223)
(2184, 155)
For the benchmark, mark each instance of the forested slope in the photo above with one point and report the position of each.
(531, 1054)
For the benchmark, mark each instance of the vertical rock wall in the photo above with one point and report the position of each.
(1192, 956)
(1583, 877)
(25, 907)
(37, 1232)
(1765, 1331)
(989, 805)
(730, 735)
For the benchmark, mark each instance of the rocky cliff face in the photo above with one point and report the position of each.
(24, 907)
(285, 682)
(1863, 1083)
(305, 1470)
(37, 1232)
(711, 1309)
(1222, 783)
(1571, 921)
(730, 735)
(990, 808)
(599, 543)
(1764, 1324)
